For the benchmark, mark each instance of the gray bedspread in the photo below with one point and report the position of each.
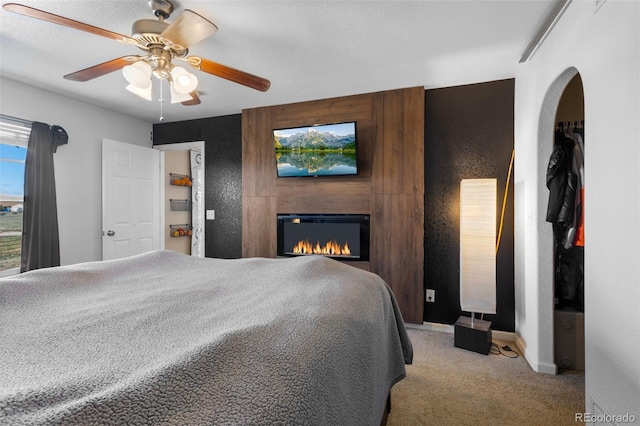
(164, 338)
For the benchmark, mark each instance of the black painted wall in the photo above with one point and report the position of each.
(222, 175)
(468, 134)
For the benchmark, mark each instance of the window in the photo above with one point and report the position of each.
(14, 138)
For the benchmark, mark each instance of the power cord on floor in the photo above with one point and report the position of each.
(503, 350)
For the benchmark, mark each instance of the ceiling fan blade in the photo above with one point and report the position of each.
(61, 20)
(229, 73)
(101, 69)
(195, 99)
(188, 29)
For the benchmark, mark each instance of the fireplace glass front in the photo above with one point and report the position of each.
(340, 236)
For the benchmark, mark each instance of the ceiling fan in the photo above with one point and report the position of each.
(162, 42)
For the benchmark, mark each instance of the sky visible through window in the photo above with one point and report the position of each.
(12, 163)
(12, 160)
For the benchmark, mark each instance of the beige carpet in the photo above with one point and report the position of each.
(446, 385)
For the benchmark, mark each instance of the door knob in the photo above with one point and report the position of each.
(111, 233)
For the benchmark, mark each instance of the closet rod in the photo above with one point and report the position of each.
(570, 124)
(15, 119)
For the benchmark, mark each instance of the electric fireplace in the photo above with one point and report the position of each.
(340, 236)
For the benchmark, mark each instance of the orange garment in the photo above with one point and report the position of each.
(580, 231)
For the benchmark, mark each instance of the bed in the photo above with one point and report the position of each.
(164, 338)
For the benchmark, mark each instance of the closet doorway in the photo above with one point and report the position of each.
(565, 214)
(182, 196)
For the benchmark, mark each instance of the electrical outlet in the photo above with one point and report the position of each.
(431, 295)
(211, 214)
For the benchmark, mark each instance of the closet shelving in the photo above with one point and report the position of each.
(180, 180)
(180, 230)
(180, 205)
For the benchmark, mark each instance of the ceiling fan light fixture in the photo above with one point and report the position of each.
(144, 93)
(162, 42)
(183, 81)
(178, 97)
(138, 74)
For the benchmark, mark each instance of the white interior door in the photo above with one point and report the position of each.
(130, 199)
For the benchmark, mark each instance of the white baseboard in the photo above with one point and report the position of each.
(432, 326)
(538, 367)
(503, 336)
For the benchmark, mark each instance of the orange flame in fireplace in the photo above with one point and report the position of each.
(331, 248)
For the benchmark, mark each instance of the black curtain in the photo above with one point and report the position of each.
(40, 244)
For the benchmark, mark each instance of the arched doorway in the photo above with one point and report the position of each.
(569, 239)
(563, 102)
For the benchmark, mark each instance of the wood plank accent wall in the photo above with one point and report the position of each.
(390, 186)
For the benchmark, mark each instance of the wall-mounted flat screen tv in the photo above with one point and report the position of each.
(318, 150)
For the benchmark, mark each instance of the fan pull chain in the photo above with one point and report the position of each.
(161, 100)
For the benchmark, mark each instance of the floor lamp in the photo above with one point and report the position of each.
(477, 263)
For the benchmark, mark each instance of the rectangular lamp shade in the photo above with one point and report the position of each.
(478, 245)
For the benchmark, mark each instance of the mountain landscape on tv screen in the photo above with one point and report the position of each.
(313, 139)
(327, 150)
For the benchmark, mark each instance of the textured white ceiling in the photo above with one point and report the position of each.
(307, 49)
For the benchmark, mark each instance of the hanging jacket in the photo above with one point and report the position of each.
(564, 181)
(557, 177)
(575, 183)
(579, 156)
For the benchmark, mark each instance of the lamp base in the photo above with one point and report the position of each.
(476, 338)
